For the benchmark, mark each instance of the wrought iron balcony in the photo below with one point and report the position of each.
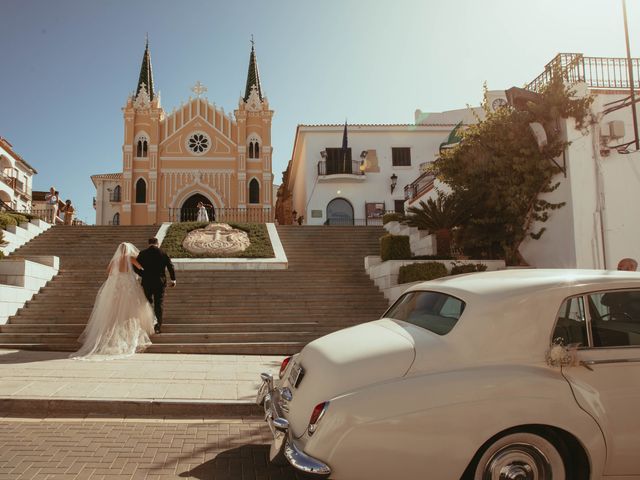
(348, 167)
(419, 187)
(115, 197)
(596, 72)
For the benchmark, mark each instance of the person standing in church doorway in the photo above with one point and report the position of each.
(203, 215)
(154, 281)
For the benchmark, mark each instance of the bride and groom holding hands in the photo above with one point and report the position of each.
(122, 318)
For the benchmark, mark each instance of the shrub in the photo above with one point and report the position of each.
(421, 272)
(395, 247)
(392, 217)
(19, 217)
(260, 246)
(468, 268)
(6, 220)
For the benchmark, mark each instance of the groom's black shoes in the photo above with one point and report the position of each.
(156, 328)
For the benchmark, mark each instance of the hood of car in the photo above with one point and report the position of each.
(346, 360)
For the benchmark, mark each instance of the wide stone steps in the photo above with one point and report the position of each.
(324, 289)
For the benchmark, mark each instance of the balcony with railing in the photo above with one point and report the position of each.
(115, 196)
(18, 187)
(337, 165)
(596, 72)
(419, 187)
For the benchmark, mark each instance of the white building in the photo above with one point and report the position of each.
(600, 223)
(331, 186)
(108, 198)
(16, 178)
(324, 186)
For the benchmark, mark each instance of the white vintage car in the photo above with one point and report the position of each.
(519, 374)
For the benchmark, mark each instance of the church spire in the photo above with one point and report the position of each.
(146, 75)
(253, 77)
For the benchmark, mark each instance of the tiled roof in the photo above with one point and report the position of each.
(105, 176)
(4, 143)
(108, 176)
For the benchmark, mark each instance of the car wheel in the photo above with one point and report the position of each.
(521, 456)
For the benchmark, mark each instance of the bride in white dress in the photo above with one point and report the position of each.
(122, 319)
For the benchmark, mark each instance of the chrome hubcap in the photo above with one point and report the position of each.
(518, 462)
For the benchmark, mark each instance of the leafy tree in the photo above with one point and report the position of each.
(502, 171)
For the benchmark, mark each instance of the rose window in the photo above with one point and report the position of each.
(199, 143)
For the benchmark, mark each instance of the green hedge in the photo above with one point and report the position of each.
(468, 268)
(6, 220)
(421, 272)
(392, 217)
(395, 247)
(260, 246)
(19, 217)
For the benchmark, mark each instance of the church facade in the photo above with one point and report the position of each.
(196, 153)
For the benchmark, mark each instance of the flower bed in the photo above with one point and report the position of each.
(260, 246)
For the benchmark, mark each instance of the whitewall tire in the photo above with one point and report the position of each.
(521, 456)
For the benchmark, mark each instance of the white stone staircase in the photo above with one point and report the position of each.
(420, 241)
(16, 236)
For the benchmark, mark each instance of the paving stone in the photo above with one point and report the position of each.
(227, 449)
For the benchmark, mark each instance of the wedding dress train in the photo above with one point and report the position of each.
(122, 319)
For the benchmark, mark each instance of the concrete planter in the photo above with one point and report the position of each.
(385, 274)
(20, 279)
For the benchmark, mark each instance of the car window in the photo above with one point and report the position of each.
(571, 324)
(615, 318)
(434, 311)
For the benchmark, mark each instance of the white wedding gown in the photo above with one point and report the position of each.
(122, 319)
(203, 216)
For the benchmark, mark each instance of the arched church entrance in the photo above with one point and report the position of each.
(189, 209)
(339, 212)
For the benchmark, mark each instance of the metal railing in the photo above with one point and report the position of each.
(115, 197)
(238, 215)
(358, 222)
(419, 186)
(596, 72)
(349, 167)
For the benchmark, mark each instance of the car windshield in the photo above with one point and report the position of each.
(434, 311)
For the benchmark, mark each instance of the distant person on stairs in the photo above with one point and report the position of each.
(154, 262)
(69, 212)
(52, 205)
(122, 319)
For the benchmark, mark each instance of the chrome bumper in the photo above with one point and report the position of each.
(270, 397)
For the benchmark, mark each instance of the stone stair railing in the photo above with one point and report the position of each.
(17, 235)
(385, 274)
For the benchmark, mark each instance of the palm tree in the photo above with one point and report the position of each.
(439, 216)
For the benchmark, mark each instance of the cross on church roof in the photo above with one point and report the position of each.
(198, 89)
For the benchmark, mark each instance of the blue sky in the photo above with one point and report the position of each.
(67, 66)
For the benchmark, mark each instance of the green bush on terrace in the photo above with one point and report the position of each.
(392, 217)
(421, 272)
(260, 246)
(6, 220)
(19, 217)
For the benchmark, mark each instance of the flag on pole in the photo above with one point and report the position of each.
(345, 148)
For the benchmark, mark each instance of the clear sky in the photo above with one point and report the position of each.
(67, 66)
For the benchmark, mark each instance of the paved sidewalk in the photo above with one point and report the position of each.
(37, 375)
(137, 449)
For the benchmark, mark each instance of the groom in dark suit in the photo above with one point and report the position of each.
(154, 261)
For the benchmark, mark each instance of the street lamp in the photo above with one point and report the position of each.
(394, 182)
